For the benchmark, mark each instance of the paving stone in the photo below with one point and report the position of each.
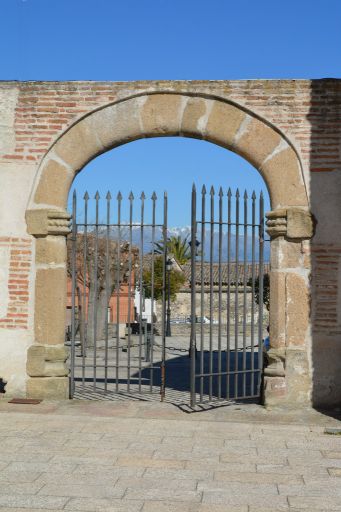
(38, 502)
(332, 486)
(163, 494)
(179, 474)
(325, 503)
(259, 478)
(103, 505)
(40, 467)
(166, 506)
(147, 462)
(152, 483)
(221, 466)
(82, 491)
(245, 497)
(18, 476)
(20, 488)
(97, 472)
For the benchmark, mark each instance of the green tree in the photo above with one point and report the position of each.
(177, 246)
(177, 280)
(266, 290)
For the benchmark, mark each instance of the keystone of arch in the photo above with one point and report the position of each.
(170, 114)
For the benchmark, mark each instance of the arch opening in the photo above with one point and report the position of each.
(160, 115)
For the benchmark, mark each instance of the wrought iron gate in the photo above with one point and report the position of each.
(226, 367)
(119, 299)
(108, 267)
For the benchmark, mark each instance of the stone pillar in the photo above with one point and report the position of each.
(287, 378)
(46, 359)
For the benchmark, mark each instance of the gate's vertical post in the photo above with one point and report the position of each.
(108, 291)
(118, 287)
(95, 276)
(163, 355)
(131, 199)
(152, 294)
(202, 291)
(236, 301)
(261, 288)
(193, 294)
(73, 297)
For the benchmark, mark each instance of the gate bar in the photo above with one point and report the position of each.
(228, 301)
(244, 289)
(108, 294)
(131, 199)
(202, 290)
(193, 295)
(220, 243)
(210, 388)
(253, 285)
(85, 276)
(261, 289)
(97, 197)
(163, 356)
(236, 304)
(142, 197)
(152, 333)
(73, 298)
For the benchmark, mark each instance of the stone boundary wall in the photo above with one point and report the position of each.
(272, 123)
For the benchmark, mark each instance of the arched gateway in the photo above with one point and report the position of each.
(165, 113)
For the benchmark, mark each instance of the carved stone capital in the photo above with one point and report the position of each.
(47, 361)
(293, 223)
(43, 222)
(276, 366)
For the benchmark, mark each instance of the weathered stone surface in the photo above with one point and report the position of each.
(285, 254)
(161, 115)
(48, 388)
(298, 377)
(223, 123)
(284, 179)
(297, 309)
(47, 361)
(277, 309)
(54, 185)
(79, 145)
(51, 250)
(299, 223)
(194, 117)
(50, 306)
(257, 142)
(118, 124)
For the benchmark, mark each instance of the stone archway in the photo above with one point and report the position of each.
(176, 114)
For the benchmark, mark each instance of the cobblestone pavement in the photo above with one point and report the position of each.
(147, 457)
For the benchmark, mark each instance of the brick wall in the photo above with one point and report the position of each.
(308, 113)
(20, 259)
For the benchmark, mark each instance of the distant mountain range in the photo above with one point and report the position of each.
(186, 232)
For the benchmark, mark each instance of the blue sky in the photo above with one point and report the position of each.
(169, 39)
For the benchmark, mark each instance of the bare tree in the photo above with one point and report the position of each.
(102, 266)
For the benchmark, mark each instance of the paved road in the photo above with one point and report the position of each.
(149, 457)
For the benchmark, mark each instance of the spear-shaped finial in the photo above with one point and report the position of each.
(229, 193)
(131, 196)
(97, 196)
(254, 195)
(212, 191)
(203, 190)
(154, 196)
(119, 196)
(143, 196)
(108, 196)
(86, 196)
(237, 194)
(221, 193)
(245, 194)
